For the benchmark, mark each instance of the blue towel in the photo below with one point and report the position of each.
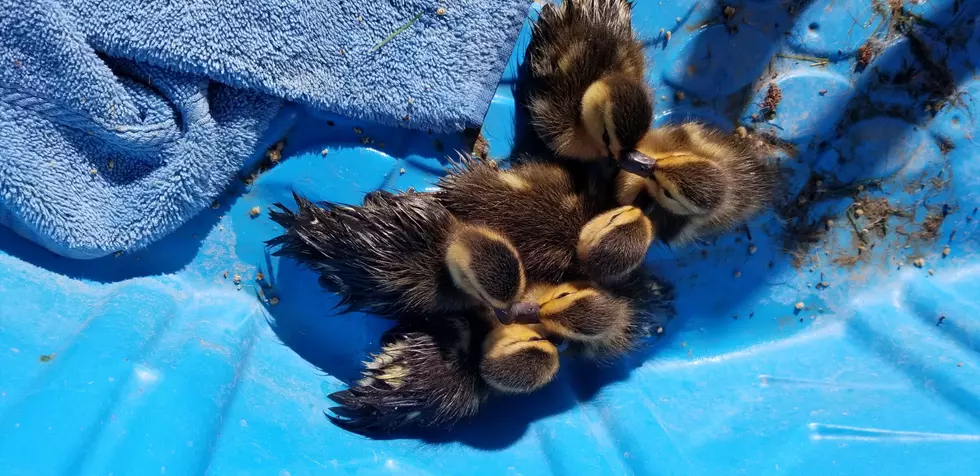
(119, 121)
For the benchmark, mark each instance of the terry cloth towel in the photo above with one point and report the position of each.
(119, 121)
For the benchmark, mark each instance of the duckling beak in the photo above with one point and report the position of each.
(637, 163)
(519, 313)
(559, 342)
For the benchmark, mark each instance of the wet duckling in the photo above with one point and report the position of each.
(603, 322)
(558, 217)
(401, 254)
(702, 180)
(438, 371)
(585, 92)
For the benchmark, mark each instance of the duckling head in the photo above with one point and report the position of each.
(682, 183)
(617, 111)
(518, 359)
(615, 243)
(487, 267)
(687, 184)
(581, 313)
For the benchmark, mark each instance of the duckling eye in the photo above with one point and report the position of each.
(605, 137)
(561, 295)
(668, 194)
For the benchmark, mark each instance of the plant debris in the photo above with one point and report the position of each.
(46, 357)
(865, 54)
(398, 31)
(774, 96)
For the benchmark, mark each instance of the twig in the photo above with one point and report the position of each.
(398, 31)
(814, 60)
(850, 218)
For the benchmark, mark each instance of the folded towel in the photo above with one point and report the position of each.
(119, 121)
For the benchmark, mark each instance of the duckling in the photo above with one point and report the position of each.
(603, 322)
(401, 254)
(703, 181)
(439, 371)
(585, 92)
(556, 216)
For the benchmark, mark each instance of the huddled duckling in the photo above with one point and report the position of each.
(603, 321)
(586, 92)
(438, 371)
(401, 254)
(703, 181)
(558, 217)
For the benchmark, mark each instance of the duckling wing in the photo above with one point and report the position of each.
(424, 377)
(372, 256)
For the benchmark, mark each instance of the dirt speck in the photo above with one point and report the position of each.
(846, 261)
(946, 251)
(738, 274)
(741, 132)
(919, 262)
(324, 152)
(273, 301)
(237, 279)
(729, 11)
(773, 97)
(930, 226)
(940, 320)
(679, 95)
(932, 272)
(224, 275)
(259, 276)
(401, 171)
(358, 130)
(481, 148)
(667, 36)
(753, 249)
(46, 358)
(254, 212)
(799, 306)
(865, 54)
(441, 11)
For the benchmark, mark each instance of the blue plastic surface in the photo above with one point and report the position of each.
(155, 363)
